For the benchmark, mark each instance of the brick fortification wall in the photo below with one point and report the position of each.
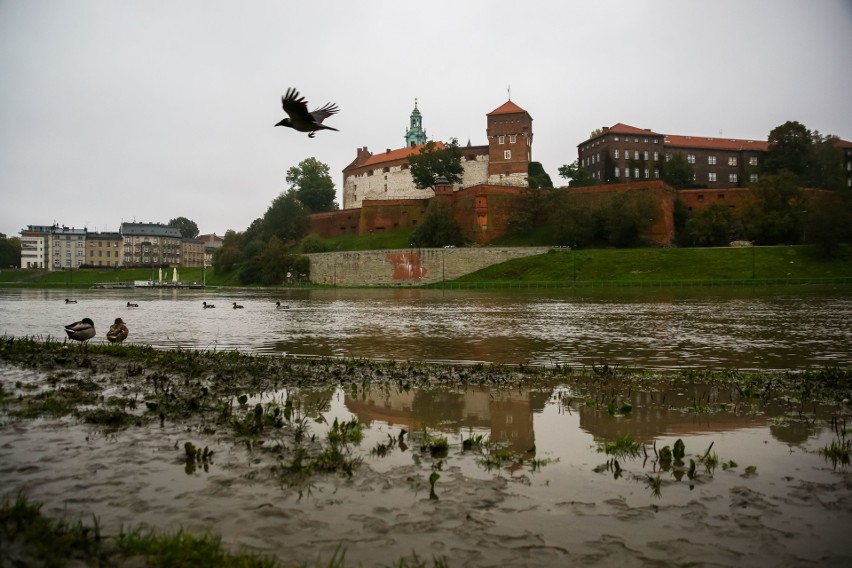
(407, 267)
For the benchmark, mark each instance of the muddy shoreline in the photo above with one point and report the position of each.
(104, 432)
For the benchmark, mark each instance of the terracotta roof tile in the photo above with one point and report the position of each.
(621, 128)
(732, 144)
(506, 108)
(840, 143)
(398, 154)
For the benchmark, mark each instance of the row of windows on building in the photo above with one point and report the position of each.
(645, 155)
(513, 138)
(711, 176)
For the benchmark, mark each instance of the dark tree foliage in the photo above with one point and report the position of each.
(775, 214)
(313, 186)
(286, 218)
(577, 175)
(230, 254)
(534, 209)
(826, 163)
(439, 228)
(10, 252)
(709, 227)
(677, 172)
(433, 162)
(537, 178)
(828, 221)
(626, 216)
(188, 228)
(578, 222)
(789, 149)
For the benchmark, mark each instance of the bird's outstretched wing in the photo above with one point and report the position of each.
(322, 113)
(296, 107)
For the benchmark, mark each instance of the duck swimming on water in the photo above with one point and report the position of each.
(206, 305)
(67, 301)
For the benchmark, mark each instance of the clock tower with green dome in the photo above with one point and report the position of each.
(414, 134)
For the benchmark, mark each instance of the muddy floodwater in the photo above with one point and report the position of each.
(667, 469)
(785, 327)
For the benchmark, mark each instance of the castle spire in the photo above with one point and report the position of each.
(414, 134)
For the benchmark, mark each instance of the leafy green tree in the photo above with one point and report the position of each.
(826, 163)
(313, 186)
(789, 149)
(578, 221)
(433, 162)
(439, 228)
(230, 254)
(677, 172)
(626, 217)
(775, 214)
(710, 226)
(828, 221)
(537, 177)
(577, 175)
(188, 228)
(286, 218)
(10, 252)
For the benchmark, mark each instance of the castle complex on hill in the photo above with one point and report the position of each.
(503, 161)
(379, 193)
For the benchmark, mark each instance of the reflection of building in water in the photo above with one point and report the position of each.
(657, 414)
(507, 414)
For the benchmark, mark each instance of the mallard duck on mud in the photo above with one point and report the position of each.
(81, 331)
(117, 332)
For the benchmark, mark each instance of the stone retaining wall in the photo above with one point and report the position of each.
(408, 267)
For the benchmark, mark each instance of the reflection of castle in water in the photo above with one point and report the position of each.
(654, 415)
(507, 414)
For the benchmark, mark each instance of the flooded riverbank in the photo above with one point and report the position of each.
(483, 465)
(765, 329)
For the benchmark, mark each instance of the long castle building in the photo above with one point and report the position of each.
(503, 161)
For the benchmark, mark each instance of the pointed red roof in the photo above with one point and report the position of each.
(507, 108)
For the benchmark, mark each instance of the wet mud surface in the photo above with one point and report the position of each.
(537, 492)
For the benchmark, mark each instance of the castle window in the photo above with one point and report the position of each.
(513, 138)
(636, 173)
(646, 154)
(615, 138)
(636, 155)
(656, 156)
(711, 160)
(627, 172)
(711, 176)
(690, 158)
(732, 178)
(752, 178)
(501, 139)
(656, 173)
(647, 173)
(616, 154)
(616, 172)
(668, 156)
(732, 161)
(507, 154)
(752, 161)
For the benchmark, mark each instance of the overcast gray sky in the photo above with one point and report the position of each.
(116, 110)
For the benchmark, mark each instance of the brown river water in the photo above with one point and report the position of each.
(555, 500)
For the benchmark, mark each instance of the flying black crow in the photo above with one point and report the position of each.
(300, 119)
